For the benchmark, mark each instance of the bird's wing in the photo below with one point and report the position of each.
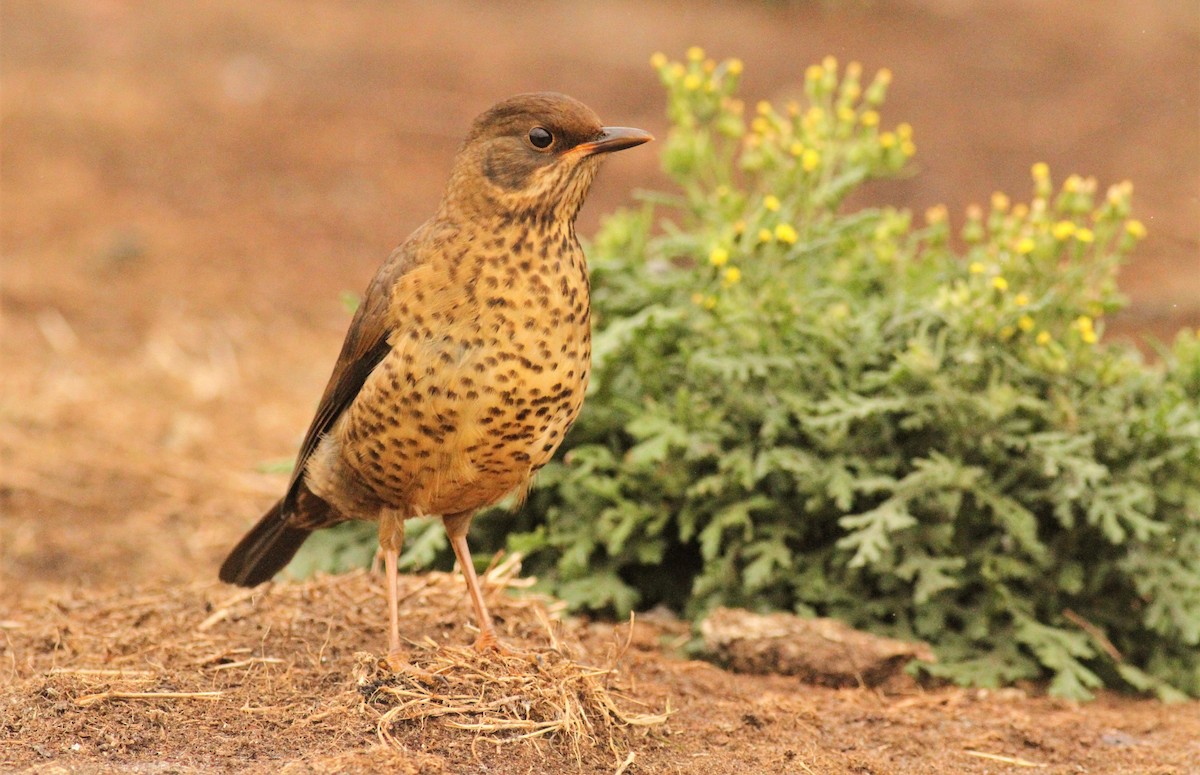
(365, 346)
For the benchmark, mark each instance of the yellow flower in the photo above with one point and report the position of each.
(735, 67)
(846, 114)
(710, 302)
(695, 53)
(829, 63)
(739, 227)
(976, 268)
(771, 202)
(1043, 338)
(732, 276)
(1007, 332)
(814, 73)
(1119, 193)
(1000, 284)
(1072, 184)
(1021, 300)
(936, 214)
(786, 234)
(1085, 235)
(793, 108)
(692, 82)
(813, 116)
(709, 65)
(677, 70)
(853, 69)
(869, 118)
(719, 256)
(1020, 210)
(887, 140)
(764, 235)
(810, 160)
(760, 125)
(1025, 246)
(658, 60)
(999, 201)
(1086, 328)
(763, 107)
(1135, 229)
(904, 131)
(1025, 323)
(884, 76)
(1040, 170)
(796, 148)
(908, 148)
(1063, 230)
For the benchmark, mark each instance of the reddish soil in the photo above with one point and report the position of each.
(185, 189)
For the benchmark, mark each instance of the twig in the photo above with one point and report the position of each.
(1006, 759)
(222, 613)
(92, 699)
(133, 675)
(625, 764)
(1096, 633)
(247, 663)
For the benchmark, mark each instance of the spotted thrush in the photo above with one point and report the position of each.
(467, 360)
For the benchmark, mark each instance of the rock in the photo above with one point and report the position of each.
(819, 651)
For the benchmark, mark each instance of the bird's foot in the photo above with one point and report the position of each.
(488, 643)
(397, 663)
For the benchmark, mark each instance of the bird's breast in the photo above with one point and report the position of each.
(488, 366)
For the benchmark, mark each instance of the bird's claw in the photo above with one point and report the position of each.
(488, 643)
(395, 662)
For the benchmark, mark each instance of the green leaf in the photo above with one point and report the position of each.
(870, 533)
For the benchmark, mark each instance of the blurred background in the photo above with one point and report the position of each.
(186, 190)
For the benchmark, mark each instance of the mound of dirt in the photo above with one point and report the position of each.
(199, 674)
(205, 678)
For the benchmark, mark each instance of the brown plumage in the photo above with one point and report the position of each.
(468, 357)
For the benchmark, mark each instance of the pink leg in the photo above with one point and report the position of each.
(390, 556)
(456, 528)
(391, 538)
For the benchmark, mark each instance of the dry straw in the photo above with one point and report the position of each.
(509, 697)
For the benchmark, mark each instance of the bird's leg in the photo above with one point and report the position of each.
(391, 538)
(456, 528)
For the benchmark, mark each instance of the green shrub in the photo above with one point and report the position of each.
(853, 414)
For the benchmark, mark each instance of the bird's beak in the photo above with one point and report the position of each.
(613, 138)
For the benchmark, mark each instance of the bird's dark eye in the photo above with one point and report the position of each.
(540, 137)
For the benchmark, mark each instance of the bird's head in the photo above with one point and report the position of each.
(534, 153)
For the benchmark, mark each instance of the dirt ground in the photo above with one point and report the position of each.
(186, 189)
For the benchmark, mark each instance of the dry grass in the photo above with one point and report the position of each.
(172, 673)
(536, 698)
(514, 696)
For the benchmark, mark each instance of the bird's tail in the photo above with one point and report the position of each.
(265, 550)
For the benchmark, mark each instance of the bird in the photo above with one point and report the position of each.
(467, 358)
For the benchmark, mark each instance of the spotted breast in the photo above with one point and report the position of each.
(487, 370)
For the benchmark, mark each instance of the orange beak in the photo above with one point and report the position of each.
(613, 138)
